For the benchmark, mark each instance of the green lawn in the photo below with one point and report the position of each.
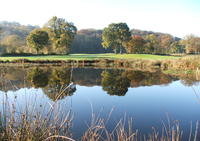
(91, 57)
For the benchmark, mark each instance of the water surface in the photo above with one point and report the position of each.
(149, 98)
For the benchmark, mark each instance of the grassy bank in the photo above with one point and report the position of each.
(90, 57)
(130, 61)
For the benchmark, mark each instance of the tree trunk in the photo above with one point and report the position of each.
(120, 50)
(115, 50)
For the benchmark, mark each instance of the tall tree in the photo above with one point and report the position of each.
(152, 44)
(37, 39)
(61, 34)
(192, 44)
(115, 36)
(165, 43)
(177, 47)
(135, 45)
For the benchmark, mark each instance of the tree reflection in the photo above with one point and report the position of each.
(56, 83)
(139, 78)
(115, 82)
(60, 84)
(55, 80)
(38, 77)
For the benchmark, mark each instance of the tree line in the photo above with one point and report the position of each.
(58, 36)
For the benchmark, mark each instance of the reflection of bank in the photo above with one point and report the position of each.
(55, 82)
(61, 80)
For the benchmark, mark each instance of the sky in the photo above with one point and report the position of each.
(176, 17)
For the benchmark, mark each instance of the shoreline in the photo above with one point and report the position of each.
(165, 64)
(105, 63)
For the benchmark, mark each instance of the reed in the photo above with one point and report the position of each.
(124, 131)
(32, 124)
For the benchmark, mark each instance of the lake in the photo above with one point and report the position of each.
(150, 98)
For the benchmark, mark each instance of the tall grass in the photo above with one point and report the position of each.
(124, 131)
(33, 124)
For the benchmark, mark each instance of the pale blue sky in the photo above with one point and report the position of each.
(177, 17)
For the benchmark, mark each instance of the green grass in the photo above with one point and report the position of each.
(91, 57)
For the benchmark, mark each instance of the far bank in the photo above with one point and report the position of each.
(131, 61)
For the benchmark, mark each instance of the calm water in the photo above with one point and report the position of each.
(150, 98)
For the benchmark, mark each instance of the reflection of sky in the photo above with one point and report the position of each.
(148, 106)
